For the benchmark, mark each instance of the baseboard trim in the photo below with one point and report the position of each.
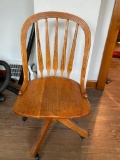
(91, 84)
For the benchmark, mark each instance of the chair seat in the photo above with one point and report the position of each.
(52, 97)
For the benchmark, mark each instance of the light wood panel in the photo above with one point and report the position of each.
(48, 59)
(70, 64)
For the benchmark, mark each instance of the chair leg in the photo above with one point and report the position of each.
(74, 127)
(41, 137)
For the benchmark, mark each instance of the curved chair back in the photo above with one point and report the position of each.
(53, 63)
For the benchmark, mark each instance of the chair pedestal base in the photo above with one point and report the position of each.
(45, 128)
(41, 137)
(74, 127)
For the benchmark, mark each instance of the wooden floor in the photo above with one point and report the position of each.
(103, 124)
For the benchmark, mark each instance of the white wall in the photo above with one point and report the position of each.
(12, 15)
(100, 37)
(96, 13)
(87, 10)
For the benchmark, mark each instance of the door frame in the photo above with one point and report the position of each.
(109, 46)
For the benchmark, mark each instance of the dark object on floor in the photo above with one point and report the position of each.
(116, 54)
(29, 48)
(2, 98)
(4, 78)
(37, 157)
(12, 89)
(24, 118)
(108, 81)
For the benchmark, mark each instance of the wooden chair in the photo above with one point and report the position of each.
(54, 98)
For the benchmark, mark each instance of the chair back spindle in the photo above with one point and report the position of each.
(55, 58)
(40, 60)
(70, 64)
(56, 15)
(63, 60)
(48, 60)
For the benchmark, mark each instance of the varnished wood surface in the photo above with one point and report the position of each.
(39, 140)
(52, 97)
(63, 60)
(48, 59)
(57, 15)
(61, 143)
(91, 84)
(40, 60)
(74, 127)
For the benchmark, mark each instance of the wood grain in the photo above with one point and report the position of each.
(63, 60)
(40, 61)
(61, 15)
(48, 59)
(74, 127)
(70, 64)
(41, 136)
(54, 98)
(55, 60)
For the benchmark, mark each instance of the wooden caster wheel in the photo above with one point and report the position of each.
(82, 137)
(24, 118)
(37, 157)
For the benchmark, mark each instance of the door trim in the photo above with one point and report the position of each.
(109, 46)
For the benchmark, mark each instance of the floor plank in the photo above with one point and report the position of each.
(61, 143)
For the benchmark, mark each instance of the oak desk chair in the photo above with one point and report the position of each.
(54, 98)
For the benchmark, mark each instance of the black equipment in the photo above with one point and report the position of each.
(4, 79)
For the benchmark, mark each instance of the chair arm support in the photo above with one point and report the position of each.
(83, 91)
(23, 88)
(84, 94)
(82, 88)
